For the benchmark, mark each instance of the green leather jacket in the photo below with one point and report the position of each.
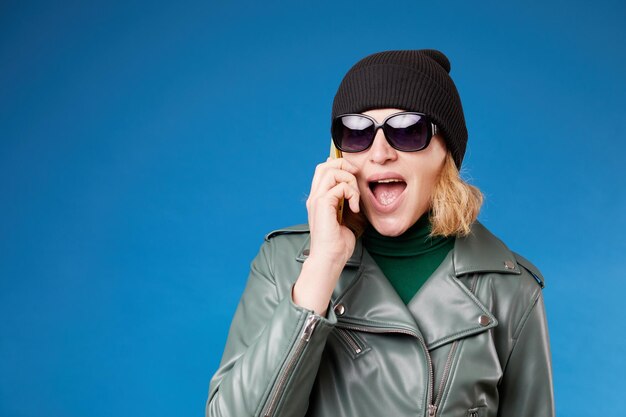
(472, 342)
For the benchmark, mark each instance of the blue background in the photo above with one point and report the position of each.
(146, 147)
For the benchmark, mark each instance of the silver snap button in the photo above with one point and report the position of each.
(340, 309)
(483, 320)
(509, 265)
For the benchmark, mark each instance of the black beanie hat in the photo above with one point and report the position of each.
(413, 80)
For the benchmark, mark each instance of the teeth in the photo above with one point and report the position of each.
(388, 181)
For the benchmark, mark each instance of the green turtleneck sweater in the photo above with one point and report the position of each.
(410, 259)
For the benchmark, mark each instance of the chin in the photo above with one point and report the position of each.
(391, 227)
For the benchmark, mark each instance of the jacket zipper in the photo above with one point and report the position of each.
(309, 326)
(444, 377)
(305, 336)
(432, 408)
(342, 333)
(448, 365)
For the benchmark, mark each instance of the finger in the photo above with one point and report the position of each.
(352, 197)
(332, 163)
(347, 192)
(319, 173)
(344, 164)
(331, 178)
(354, 203)
(331, 196)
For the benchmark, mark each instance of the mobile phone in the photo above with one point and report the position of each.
(336, 153)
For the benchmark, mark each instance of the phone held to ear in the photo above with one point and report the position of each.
(336, 153)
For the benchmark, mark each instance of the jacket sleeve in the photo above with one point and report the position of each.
(272, 352)
(526, 387)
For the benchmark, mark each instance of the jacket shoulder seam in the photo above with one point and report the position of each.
(531, 268)
(270, 265)
(296, 229)
(521, 324)
(529, 309)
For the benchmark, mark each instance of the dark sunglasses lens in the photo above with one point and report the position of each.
(407, 132)
(352, 133)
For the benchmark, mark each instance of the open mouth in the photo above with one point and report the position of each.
(386, 191)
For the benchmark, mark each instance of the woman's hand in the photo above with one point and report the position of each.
(330, 241)
(332, 244)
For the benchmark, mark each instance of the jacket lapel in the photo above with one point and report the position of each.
(365, 295)
(443, 310)
(369, 299)
(446, 310)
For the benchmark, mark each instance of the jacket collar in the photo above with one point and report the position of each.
(443, 310)
(482, 251)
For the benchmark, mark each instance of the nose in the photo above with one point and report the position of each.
(381, 152)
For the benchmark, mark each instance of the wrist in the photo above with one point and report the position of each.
(325, 266)
(315, 285)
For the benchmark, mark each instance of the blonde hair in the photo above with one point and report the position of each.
(454, 205)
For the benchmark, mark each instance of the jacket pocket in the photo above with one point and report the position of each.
(352, 342)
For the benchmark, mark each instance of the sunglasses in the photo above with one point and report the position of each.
(405, 131)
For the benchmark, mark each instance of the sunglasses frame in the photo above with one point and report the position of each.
(433, 130)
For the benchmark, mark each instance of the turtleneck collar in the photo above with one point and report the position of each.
(415, 241)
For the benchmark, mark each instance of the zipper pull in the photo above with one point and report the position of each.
(432, 410)
(311, 322)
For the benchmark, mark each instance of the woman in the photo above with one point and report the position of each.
(408, 306)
